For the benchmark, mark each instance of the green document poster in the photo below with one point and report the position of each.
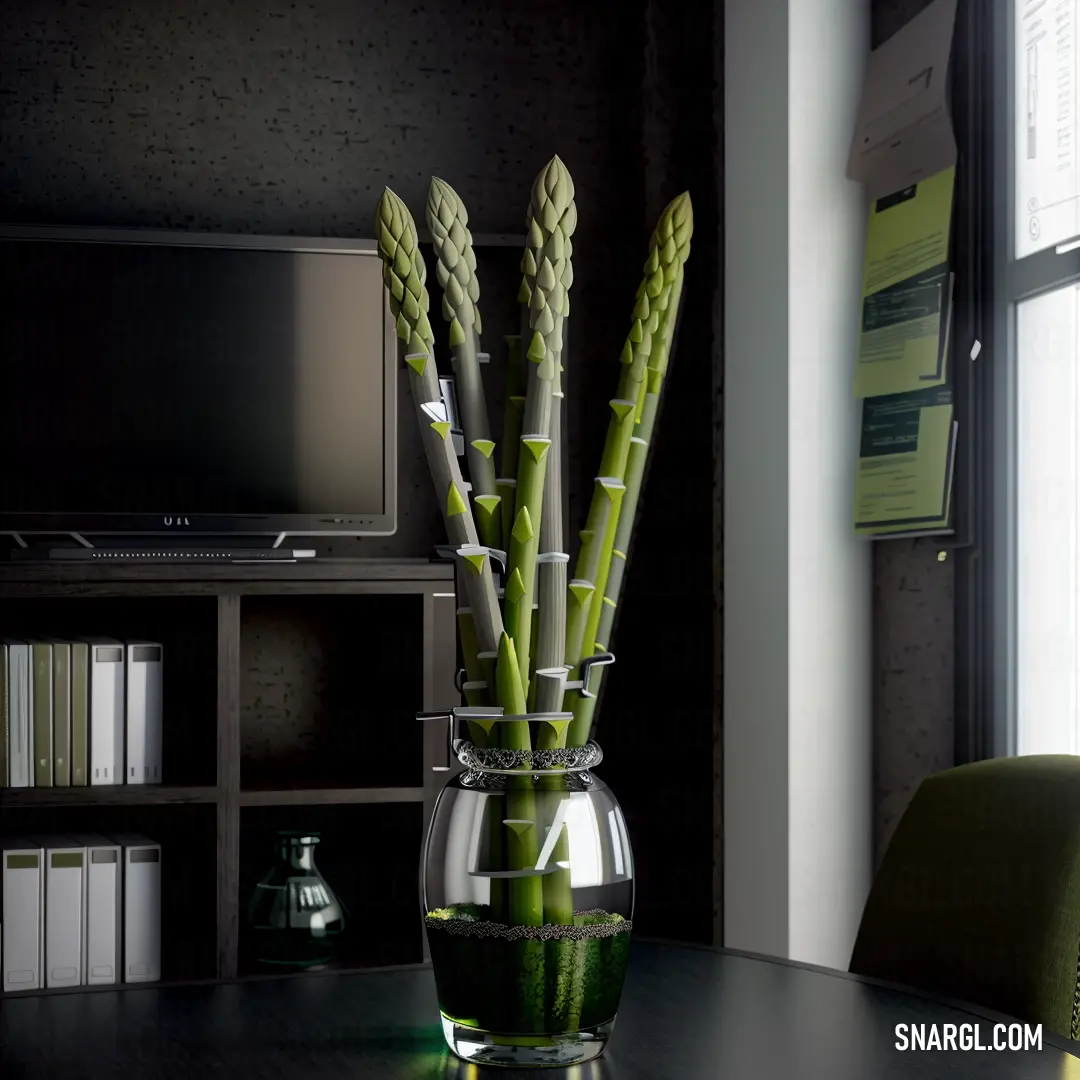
(905, 470)
(906, 292)
(925, 528)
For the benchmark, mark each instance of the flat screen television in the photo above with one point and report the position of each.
(159, 382)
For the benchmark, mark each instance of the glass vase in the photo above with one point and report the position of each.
(294, 916)
(528, 894)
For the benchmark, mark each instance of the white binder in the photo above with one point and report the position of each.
(143, 707)
(65, 868)
(20, 750)
(61, 713)
(106, 711)
(102, 925)
(41, 712)
(5, 727)
(142, 908)
(23, 894)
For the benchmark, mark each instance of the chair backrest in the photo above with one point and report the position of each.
(978, 895)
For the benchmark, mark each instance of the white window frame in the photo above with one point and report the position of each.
(1016, 280)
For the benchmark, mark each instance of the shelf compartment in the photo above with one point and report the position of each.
(329, 689)
(187, 835)
(186, 626)
(331, 796)
(118, 795)
(368, 854)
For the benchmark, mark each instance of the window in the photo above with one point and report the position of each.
(1040, 279)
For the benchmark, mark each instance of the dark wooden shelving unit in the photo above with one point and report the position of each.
(118, 795)
(271, 721)
(332, 796)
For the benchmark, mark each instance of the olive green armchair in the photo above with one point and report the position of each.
(978, 895)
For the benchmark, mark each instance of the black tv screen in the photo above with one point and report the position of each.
(234, 384)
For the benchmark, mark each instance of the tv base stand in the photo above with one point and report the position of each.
(73, 547)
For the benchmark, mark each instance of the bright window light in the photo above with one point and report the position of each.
(1047, 170)
(1048, 523)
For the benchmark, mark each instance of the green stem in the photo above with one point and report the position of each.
(489, 519)
(583, 592)
(617, 492)
(498, 900)
(550, 632)
(559, 909)
(456, 270)
(449, 486)
(507, 488)
(404, 274)
(525, 893)
(524, 542)
(583, 708)
(606, 538)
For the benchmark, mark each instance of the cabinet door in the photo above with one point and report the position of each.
(440, 692)
(440, 689)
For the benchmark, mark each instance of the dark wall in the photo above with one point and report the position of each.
(913, 627)
(288, 118)
(662, 710)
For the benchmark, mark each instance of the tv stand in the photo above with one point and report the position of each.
(289, 700)
(74, 547)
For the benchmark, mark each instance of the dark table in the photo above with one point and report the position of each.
(687, 1013)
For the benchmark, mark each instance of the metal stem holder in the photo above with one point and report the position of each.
(583, 686)
(450, 718)
(448, 389)
(448, 553)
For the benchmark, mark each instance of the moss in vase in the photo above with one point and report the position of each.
(592, 956)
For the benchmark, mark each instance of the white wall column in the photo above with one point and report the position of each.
(797, 649)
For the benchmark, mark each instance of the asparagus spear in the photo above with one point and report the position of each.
(515, 391)
(587, 586)
(548, 686)
(549, 683)
(652, 299)
(456, 270)
(553, 219)
(550, 670)
(525, 889)
(404, 274)
(635, 472)
(515, 407)
(670, 250)
(478, 689)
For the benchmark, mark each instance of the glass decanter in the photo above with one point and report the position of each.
(294, 916)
